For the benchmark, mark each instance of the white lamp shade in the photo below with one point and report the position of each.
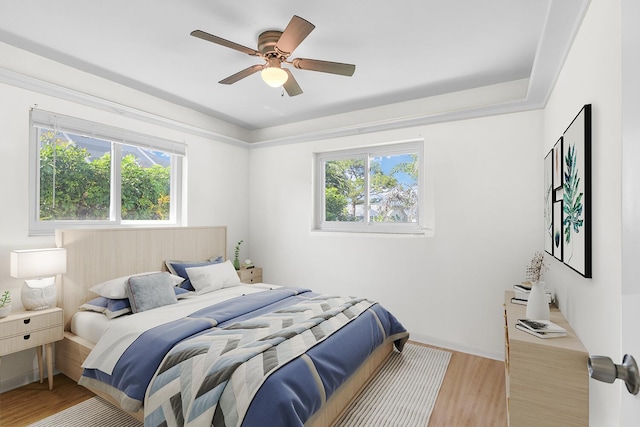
(38, 262)
(274, 76)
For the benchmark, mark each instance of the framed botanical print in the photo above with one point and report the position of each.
(576, 193)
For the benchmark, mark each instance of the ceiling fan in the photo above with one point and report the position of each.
(275, 47)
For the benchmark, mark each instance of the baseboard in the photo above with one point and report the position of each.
(23, 379)
(425, 339)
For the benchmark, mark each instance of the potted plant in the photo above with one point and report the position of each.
(536, 268)
(236, 260)
(5, 304)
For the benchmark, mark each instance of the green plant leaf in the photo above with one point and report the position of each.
(572, 206)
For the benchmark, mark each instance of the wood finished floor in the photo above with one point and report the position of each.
(33, 402)
(472, 395)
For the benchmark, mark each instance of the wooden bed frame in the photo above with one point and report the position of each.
(94, 256)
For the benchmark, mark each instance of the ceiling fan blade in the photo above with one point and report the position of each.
(241, 74)
(291, 85)
(324, 66)
(297, 30)
(222, 42)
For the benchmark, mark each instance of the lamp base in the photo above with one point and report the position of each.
(38, 294)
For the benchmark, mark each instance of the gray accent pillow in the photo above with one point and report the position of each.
(150, 291)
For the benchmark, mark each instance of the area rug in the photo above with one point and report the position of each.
(94, 412)
(402, 394)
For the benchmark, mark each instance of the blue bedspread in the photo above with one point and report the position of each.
(292, 392)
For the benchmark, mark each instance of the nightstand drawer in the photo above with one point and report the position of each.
(255, 279)
(33, 339)
(250, 275)
(29, 322)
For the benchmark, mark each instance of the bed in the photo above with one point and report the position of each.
(331, 378)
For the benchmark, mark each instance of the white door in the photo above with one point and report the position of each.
(630, 298)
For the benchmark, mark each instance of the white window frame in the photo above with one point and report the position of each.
(118, 137)
(367, 226)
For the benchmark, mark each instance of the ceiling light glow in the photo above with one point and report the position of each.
(274, 76)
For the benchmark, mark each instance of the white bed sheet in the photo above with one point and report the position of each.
(89, 325)
(123, 331)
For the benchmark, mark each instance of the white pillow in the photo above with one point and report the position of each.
(116, 288)
(213, 277)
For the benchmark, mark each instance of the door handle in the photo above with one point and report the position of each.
(603, 369)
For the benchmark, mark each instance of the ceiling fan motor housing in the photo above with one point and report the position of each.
(267, 43)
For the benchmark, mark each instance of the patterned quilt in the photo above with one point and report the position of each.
(269, 358)
(211, 379)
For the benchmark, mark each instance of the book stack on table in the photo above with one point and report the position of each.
(522, 292)
(541, 328)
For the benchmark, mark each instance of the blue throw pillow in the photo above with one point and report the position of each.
(179, 268)
(99, 305)
(181, 292)
(117, 308)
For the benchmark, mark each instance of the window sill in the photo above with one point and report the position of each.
(424, 233)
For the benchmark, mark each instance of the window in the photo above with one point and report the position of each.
(373, 189)
(89, 174)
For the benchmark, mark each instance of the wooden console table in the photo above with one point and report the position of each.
(547, 380)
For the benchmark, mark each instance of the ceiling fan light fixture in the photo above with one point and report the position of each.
(275, 47)
(274, 76)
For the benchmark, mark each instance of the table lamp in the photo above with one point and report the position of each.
(39, 267)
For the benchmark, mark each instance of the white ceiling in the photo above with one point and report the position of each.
(403, 50)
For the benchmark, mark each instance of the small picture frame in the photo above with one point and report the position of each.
(548, 202)
(557, 164)
(558, 238)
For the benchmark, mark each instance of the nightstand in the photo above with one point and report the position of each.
(27, 329)
(250, 275)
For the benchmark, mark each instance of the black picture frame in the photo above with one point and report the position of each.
(576, 193)
(548, 202)
(557, 165)
(557, 241)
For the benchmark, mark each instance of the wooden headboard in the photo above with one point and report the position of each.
(94, 256)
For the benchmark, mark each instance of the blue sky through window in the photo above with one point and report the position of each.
(388, 162)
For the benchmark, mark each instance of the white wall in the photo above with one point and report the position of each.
(630, 413)
(592, 75)
(216, 175)
(447, 289)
